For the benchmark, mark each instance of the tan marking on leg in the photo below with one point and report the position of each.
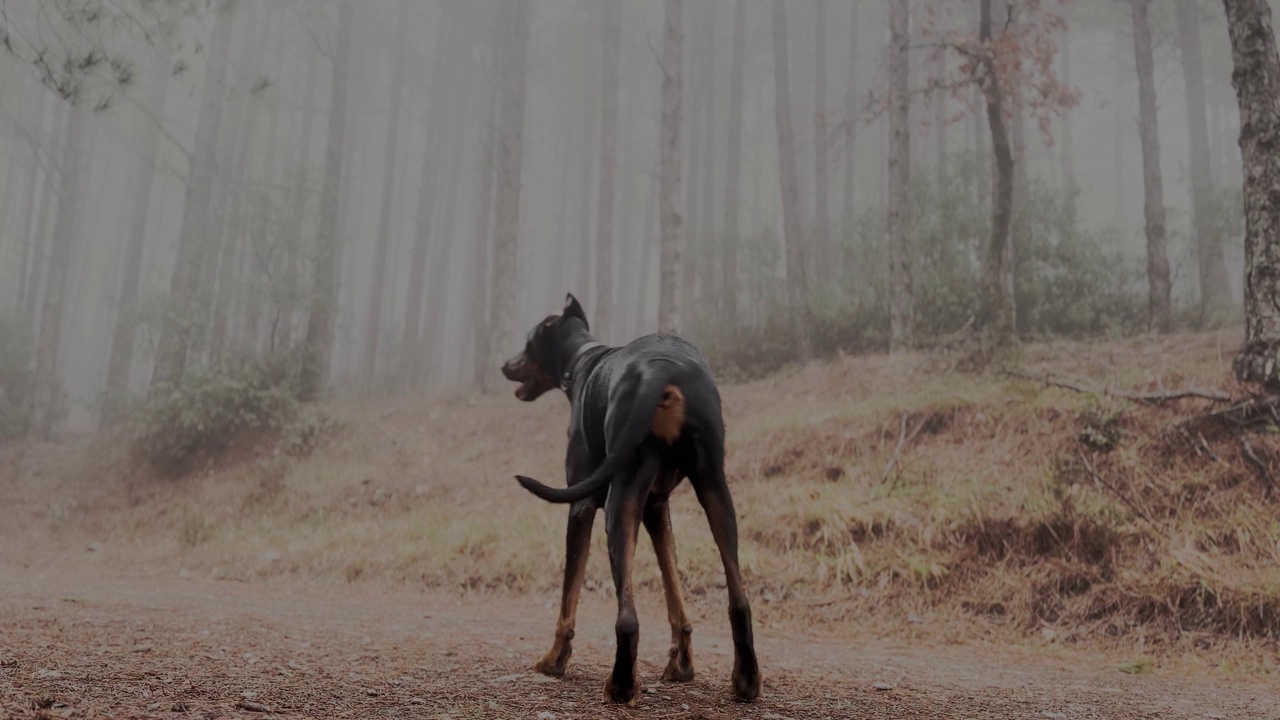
(680, 664)
(668, 418)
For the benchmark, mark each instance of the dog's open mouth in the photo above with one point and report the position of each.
(526, 389)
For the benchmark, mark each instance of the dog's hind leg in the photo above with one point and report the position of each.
(657, 521)
(623, 510)
(713, 494)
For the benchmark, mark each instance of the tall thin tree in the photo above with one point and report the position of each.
(510, 157)
(1158, 278)
(999, 286)
(901, 310)
(821, 187)
(1215, 287)
(669, 320)
(610, 39)
(1256, 77)
(123, 340)
(373, 320)
(318, 343)
(179, 321)
(733, 168)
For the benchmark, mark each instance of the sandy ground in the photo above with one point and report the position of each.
(84, 640)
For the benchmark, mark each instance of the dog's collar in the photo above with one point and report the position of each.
(566, 380)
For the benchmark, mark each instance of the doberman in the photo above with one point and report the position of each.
(644, 416)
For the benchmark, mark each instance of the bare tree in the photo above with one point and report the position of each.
(438, 97)
(123, 339)
(178, 323)
(821, 186)
(481, 373)
(510, 154)
(1215, 288)
(27, 212)
(610, 39)
(56, 157)
(669, 320)
(373, 321)
(1068, 145)
(1157, 254)
(901, 312)
(851, 111)
(999, 277)
(48, 388)
(318, 342)
(1256, 77)
(733, 172)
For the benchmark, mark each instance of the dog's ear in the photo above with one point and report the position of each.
(572, 308)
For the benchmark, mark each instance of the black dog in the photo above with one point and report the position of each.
(644, 417)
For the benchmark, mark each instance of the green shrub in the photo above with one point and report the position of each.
(15, 379)
(1069, 281)
(178, 424)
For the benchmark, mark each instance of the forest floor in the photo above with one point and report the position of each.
(917, 541)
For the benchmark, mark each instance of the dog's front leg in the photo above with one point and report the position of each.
(582, 516)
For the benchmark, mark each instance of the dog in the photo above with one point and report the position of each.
(645, 416)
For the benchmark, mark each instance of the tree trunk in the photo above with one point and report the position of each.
(901, 312)
(1157, 253)
(611, 38)
(28, 210)
(507, 211)
(1215, 288)
(126, 321)
(318, 343)
(1068, 146)
(940, 113)
(1256, 78)
(652, 211)
(850, 133)
(821, 186)
(373, 320)
(432, 352)
(178, 324)
(700, 88)
(437, 111)
(39, 254)
(793, 231)
(48, 388)
(481, 374)
(733, 172)
(669, 320)
(1118, 137)
(701, 252)
(999, 289)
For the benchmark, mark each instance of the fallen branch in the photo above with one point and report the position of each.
(1264, 472)
(1241, 415)
(1097, 478)
(1091, 388)
(902, 441)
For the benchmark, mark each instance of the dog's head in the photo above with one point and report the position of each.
(537, 365)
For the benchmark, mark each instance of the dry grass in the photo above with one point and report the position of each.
(876, 490)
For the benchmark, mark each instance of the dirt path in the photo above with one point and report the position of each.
(85, 642)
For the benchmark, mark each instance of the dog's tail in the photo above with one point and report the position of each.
(648, 394)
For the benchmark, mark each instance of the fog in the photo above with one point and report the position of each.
(259, 189)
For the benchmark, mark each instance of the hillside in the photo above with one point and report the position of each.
(877, 497)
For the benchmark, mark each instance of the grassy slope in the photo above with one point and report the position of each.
(886, 496)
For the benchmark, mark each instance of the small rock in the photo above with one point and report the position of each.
(180, 707)
(914, 619)
(150, 708)
(493, 705)
(251, 706)
(684, 706)
(546, 715)
(417, 701)
(44, 674)
(371, 693)
(882, 686)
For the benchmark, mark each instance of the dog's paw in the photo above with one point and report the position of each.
(622, 694)
(746, 686)
(679, 666)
